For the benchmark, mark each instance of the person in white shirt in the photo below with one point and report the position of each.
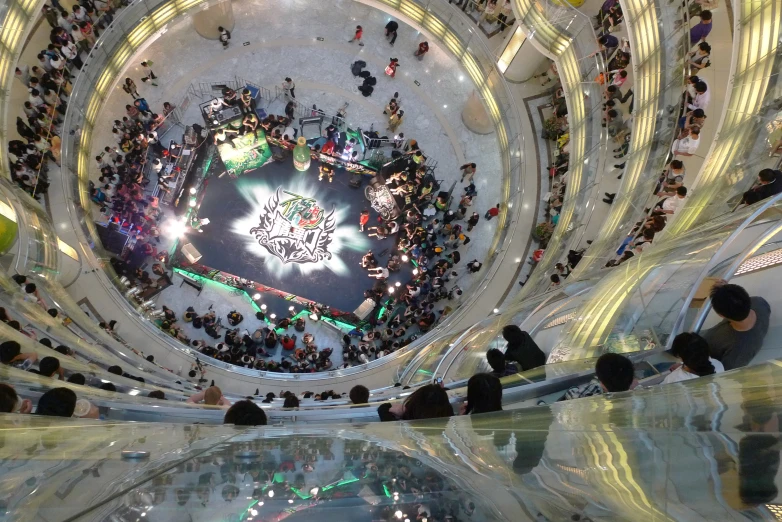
(688, 144)
(701, 98)
(693, 350)
(672, 204)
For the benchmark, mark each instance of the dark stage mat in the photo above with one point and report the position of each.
(309, 229)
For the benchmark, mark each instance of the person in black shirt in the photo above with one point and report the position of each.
(522, 349)
(391, 28)
(769, 184)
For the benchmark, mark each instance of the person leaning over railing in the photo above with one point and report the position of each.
(745, 320)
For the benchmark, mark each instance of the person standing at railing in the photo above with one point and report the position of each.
(745, 321)
(522, 348)
(700, 31)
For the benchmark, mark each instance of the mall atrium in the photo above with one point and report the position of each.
(390, 260)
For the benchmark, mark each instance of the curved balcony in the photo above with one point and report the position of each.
(565, 35)
(659, 43)
(143, 20)
(749, 120)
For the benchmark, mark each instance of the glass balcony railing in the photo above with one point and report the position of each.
(141, 20)
(659, 42)
(751, 119)
(565, 35)
(704, 449)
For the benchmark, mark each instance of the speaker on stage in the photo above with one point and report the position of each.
(190, 253)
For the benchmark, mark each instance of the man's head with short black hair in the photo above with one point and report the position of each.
(766, 175)
(245, 413)
(108, 387)
(615, 372)
(53, 312)
(57, 402)
(19, 279)
(77, 378)
(63, 350)
(9, 350)
(48, 366)
(8, 398)
(116, 370)
(30, 288)
(359, 394)
(731, 302)
(496, 360)
(157, 394)
(681, 191)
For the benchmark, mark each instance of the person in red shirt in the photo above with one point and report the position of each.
(492, 212)
(363, 220)
(423, 48)
(328, 148)
(358, 35)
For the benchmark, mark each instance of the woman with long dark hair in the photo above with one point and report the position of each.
(693, 350)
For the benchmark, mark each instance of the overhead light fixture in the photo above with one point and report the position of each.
(415, 271)
(263, 307)
(271, 493)
(397, 284)
(405, 258)
(290, 308)
(256, 296)
(391, 289)
(314, 316)
(193, 190)
(273, 316)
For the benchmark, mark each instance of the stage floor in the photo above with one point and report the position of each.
(312, 246)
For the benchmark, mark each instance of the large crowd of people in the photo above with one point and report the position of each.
(48, 83)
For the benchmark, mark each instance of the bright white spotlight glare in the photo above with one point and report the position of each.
(271, 493)
(290, 501)
(397, 284)
(260, 503)
(415, 271)
(314, 316)
(273, 316)
(314, 491)
(405, 258)
(256, 296)
(192, 203)
(193, 190)
(398, 514)
(254, 512)
(263, 307)
(496, 310)
(175, 228)
(290, 308)
(391, 289)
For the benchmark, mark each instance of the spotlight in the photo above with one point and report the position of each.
(290, 308)
(314, 316)
(254, 512)
(405, 259)
(193, 190)
(273, 316)
(496, 310)
(415, 271)
(271, 493)
(397, 284)
(398, 514)
(263, 307)
(391, 289)
(175, 228)
(256, 296)
(314, 491)
(290, 501)
(192, 202)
